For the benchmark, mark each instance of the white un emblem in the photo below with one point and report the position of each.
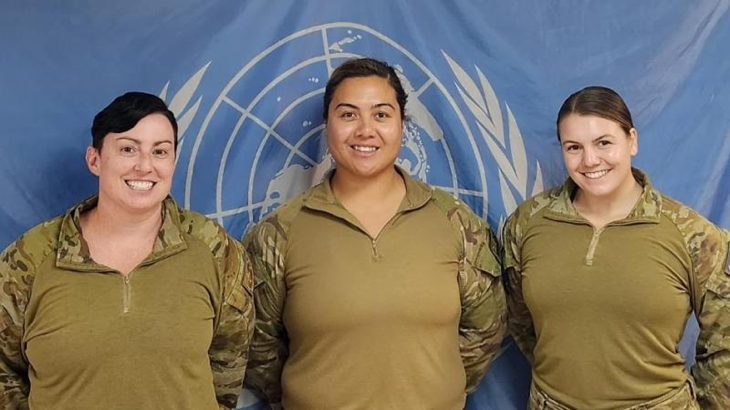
(262, 141)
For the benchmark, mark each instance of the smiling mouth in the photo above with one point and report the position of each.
(364, 149)
(596, 174)
(140, 185)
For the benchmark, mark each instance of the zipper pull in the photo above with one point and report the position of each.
(376, 255)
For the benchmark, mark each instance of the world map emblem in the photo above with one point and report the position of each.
(263, 139)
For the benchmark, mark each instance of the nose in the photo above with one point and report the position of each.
(590, 157)
(364, 127)
(143, 163)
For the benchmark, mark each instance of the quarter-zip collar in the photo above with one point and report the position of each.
(322, 197)
(648, 208)
(73, 251)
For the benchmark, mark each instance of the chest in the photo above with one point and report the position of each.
(339, 279)
(166, 309)
(636, 272)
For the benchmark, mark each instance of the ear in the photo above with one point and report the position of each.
(634, 141)
(93, 159)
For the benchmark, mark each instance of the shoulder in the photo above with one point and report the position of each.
(706, 244)
(688, 221)
(19, 262)
(455, 209)
(481, 247)
(275, 226)
(34, 246)
(461, 216)
(205, 230)
(532, 208)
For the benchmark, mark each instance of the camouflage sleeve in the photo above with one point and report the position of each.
(16, 274)
(270, 347)
(519, 320)
(228, 351)
(482, 323)
(710, 260)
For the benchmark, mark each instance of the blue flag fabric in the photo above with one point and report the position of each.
(246, 79)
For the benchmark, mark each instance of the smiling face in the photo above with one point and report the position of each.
(364, 127)
(135, 167)
(597, 154)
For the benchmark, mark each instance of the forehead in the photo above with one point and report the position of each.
(580, 127)
(365, 88)
(154, 127)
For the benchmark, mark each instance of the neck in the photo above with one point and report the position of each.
(617, 205)
(348, 187)
(111, 220)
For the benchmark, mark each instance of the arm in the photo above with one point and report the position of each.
(712, 369)
(229, 348)
(16, 274)
(483, 310)
(520, 320)
(270, 346)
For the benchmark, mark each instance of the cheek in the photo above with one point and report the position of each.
(394, 133)
(570, 161)
(166, 168)
(618, 155)
(116, 166)
(336, 135)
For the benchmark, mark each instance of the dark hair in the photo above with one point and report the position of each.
(364, 67)
(125, 112)
(599, 101)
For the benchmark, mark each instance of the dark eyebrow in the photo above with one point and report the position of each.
(163, 142)
(384, 105)
(138, 142)
(346, 105)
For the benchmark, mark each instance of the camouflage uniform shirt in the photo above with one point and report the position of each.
(407, 320)
(600, 312)
(173, 334)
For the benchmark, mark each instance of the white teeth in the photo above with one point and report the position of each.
(364, 149)
(140, 185)
(595, 175)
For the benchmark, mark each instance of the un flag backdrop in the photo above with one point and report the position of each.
(246, 79)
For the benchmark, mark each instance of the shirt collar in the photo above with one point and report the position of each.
(322, 197)
(647, 209)
(73, 251)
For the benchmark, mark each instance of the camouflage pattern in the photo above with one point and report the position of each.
(707, 247)
(684, 398)
(233, 329)
(483, 305)
(712, 370)
(483, 308)
(60, 238)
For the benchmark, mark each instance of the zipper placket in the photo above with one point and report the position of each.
(374, 241)
(593, 245)
(376, 255)
(126, 293)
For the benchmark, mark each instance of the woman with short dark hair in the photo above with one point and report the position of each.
(126, 301)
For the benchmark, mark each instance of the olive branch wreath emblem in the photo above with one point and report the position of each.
(497, 126)
(490, 120)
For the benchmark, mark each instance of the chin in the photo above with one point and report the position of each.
(143, 205)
